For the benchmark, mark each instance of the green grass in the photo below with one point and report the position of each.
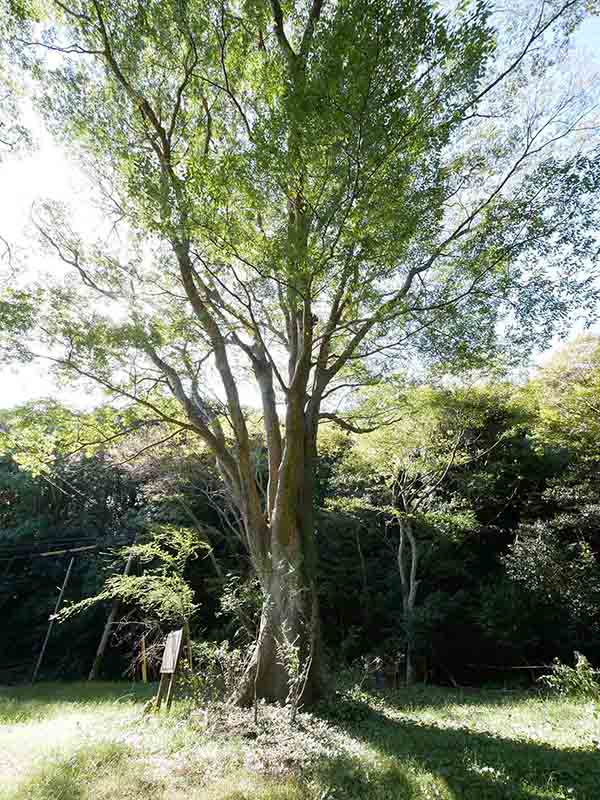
(93, 742)
(27, 703)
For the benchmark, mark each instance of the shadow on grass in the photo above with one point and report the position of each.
(20, 704)
(79, 691)
(466, 765)
(442, 696)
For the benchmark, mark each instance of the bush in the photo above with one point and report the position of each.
(348, 707)
(218, 669)
(577, 681)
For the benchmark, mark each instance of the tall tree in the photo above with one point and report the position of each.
(310, 191)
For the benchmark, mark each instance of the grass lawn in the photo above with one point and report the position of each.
(93, 742)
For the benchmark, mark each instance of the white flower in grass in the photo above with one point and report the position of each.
(489, 772)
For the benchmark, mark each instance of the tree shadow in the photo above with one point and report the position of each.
(467, 764)
(59, 693)
(439, 697)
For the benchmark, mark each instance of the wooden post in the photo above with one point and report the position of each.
(170, 691)
(188, 639)
(161, 690)
(109, 623)
(144, 663)
(51, 625)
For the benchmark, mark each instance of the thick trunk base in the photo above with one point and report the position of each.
(284, 667)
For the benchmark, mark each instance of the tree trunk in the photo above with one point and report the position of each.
(289, 619)
(287, 572)
(409, 585)
(410, 666)
(109, 623)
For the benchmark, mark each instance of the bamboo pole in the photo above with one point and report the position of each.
(51, 625)
(109, 623)
(144, 663)
(188, 640)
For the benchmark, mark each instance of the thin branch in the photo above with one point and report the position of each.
(349, 426)
(149, 447)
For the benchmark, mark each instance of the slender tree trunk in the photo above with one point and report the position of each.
(51, 624)
(409, 585)
(410, 666)
(116, 604)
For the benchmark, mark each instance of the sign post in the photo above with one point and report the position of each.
(168, 668)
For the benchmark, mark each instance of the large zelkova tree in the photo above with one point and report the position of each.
(306, 193)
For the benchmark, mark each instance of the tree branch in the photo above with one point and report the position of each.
(286, 48)
(313, 17)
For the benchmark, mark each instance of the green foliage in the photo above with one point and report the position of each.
(509, 543)
(556, 571)
(577, 681)
(17, 317)
(423, 434)
(311, 196)
(566, 392)
(350, 707)
(75, 503)
(241, 599)
(218, 669)
(35, 434)
(555, 558)
(14, 134)
(429, 216)
(161, 591)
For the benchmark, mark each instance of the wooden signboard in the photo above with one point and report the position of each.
(172, 652)
(168, 667)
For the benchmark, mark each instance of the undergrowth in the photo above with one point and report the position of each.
(580, 680)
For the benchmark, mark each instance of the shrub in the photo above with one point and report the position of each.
(218, 669)
(577, 681)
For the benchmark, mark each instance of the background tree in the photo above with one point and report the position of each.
(566, 392)
(402, 468)
(79, 507)
(508, 545)
(306, 190)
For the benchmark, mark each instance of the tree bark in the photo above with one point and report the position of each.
(410, 666)
(289, 618)
(409, 585)
(116, 604)
(287, 572)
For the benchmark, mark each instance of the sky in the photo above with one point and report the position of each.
(47, 172)
(25, 180)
